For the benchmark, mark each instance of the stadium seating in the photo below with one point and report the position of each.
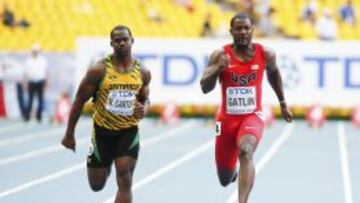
(55, 24)
(288, 15)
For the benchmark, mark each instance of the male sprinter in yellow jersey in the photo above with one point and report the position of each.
(119, 86)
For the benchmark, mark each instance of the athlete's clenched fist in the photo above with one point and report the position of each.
(224, 62)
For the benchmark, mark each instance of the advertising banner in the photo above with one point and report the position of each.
(314, 72)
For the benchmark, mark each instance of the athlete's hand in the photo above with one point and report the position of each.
(286, 113)
(139, 110)
(68, 141)
(224, 62)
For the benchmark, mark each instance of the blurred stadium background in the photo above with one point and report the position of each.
(175, 37)
(317, 44)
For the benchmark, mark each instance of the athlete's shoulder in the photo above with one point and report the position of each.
(217, 53)
(99, 66)
(97, 71)
(104, 61)
(137, 62)
(227, 47)
(269, 53)
(215, 56)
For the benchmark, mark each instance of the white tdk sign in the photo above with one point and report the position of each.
(121, 102)
(240, 100)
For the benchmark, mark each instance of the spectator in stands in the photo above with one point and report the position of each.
(347, 13)
(9, 20)
(308, 13)
(36, 73)
(152, 11)
(225, 5)
(266, 26)
(222, 31)
(154, 15)
(249, 7)
(207, 29)
(187, 4)
(326, 26)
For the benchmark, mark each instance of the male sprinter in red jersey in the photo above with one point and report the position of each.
(239, 67)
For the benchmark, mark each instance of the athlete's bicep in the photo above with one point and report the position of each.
(212, 64)
(214, 58)
(211, 73)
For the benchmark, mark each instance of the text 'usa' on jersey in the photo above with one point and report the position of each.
(241, 83)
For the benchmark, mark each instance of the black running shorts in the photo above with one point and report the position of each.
(106, 145)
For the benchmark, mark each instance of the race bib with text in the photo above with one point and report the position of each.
(121, 102)
(240, 100)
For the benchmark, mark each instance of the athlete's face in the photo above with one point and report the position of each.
(242, 31)
(121, 41)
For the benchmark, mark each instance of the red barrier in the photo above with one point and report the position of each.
(2, 101)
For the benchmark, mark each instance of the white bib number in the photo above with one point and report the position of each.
(240, 100)
(121, 102)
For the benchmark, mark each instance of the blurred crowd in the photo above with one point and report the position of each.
(9, 19)
(299, 19)
(325, 22)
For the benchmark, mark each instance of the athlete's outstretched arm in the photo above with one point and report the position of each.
(274, 78)
(218, 62)
(86, 89)
(143, 106)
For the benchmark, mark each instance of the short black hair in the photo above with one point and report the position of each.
(120, 27)
(240, 16)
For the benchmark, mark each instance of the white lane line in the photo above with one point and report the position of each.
(37, 135)
(82, 165)
(268, 155)
(344, 158)
(44, 179)
(6, 127)
(172, 165)
(46, 133)
(178, 131)
(84, 140)
(40, 152)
